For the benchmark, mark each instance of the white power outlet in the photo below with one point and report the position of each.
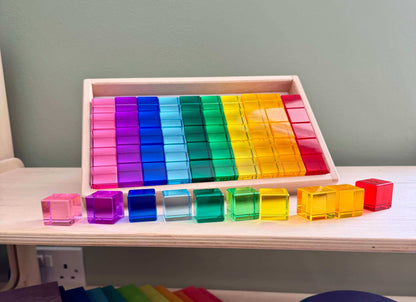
(62, 264)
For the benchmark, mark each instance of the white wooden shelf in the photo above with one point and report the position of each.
(392, 230)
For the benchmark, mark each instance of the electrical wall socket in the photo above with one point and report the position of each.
(62, 264)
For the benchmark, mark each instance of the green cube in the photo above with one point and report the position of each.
(201, 171)
(213, 117)
(221, 150)
(195, 134)
(192, 118)
(217, 133)
(225, 169)
(210, 102)
(243, 203)
(198, 151)
(189, 99)
(209, 204)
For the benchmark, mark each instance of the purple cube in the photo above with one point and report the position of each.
(105, 207)
(130, 175)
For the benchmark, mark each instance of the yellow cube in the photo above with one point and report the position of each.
(274, 204)
(316, 203)
(349, 200)
(247, 168)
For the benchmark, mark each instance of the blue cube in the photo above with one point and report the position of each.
(152, 153)
(176, 205)
(154, 174)
(142, 205)
(149, 119)
(151, 136)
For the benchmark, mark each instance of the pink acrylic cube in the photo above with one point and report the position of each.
(104, 177)
(378, 194)
(105, 207)
(61, 209)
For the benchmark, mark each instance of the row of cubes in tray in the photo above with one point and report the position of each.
(243, 203)
(148, 141)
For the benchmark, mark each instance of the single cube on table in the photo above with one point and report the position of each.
(243, 203)
(316, 202)
(142, 205)
(105, 207)
(209, 204)
(378, 194)
(349, 200)
(176, 205)
(61, 209)
(274, 204)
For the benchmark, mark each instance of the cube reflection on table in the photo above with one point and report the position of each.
(142, 205)
(274, 204)
(177, 205)
(316, 202)
(105, 207)
(209, 204)
(243, 203)
(61, 209)
(378, 194)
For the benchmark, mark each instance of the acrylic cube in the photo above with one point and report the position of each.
(61, 209)
(176, 205)
(274, 204)
(105, 207)
(142, 205)
(349, 200)
(209, 205)
(316, 203)
(243, 203)
(378, 194)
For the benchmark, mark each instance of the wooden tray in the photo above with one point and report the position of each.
(200, 86)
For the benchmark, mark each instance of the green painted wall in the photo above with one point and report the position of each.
(356, 60)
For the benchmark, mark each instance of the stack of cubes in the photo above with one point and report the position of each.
(128, 143)
(244, 157)
(176, 153)
(218, 139)
(196, 137)
(103, 144)
(151, 142)
(306, 140)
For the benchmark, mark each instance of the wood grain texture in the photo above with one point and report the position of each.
(392, 230)
(200, 86)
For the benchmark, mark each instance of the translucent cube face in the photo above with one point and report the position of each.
(243, 203)
(61, 209)
(105, 207)
(274, 204)
(176, 205)
(378, 194)
(316, 203)
(142, 205)
(209, 205)
(349, 200)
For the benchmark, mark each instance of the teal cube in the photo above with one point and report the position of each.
(243, 203)
(209, 205)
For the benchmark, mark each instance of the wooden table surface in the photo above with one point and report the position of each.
(392, 230)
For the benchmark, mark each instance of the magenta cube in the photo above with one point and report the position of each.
(103, 138)
(378, 194)
(103, 157)
(104, 177)
(105, 207)
(61, 209)
(103, 121)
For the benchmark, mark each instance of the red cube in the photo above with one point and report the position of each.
(378, 194)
